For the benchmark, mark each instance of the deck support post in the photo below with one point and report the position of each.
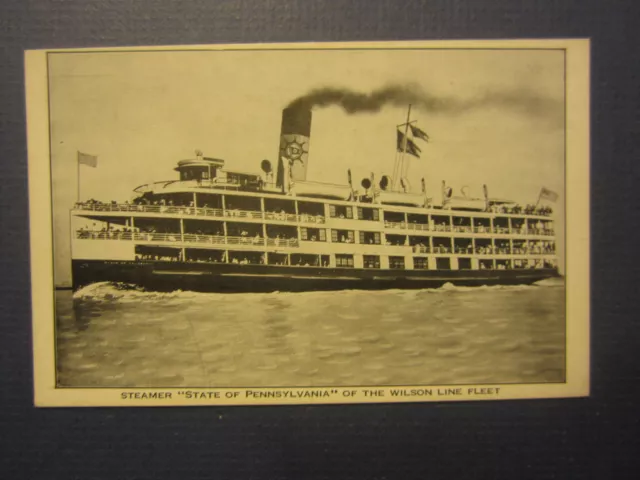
(453, 243)
(295, 206)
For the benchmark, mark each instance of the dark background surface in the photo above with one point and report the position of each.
(596, 437)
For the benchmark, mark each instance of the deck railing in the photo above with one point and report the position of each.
(441, 228)
(186, 238)
(418, 226)
(301, 218)
(291, 242)
(407, 226)
(200, 212)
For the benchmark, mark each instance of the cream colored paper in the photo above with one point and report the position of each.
(169, 98)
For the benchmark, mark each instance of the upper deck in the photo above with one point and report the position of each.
(277, 209)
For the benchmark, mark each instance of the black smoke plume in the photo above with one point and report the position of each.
(521, 100)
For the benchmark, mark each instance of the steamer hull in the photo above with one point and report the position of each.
(230, 278)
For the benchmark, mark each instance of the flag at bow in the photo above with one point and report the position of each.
(418, 133)
(546, 194)
(87, 159)
(407, 145)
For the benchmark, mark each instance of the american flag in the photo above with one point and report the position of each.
(546, 194)
(410, 147)
(87, 159)
(417, 133)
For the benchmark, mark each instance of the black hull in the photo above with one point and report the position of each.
(231, 278)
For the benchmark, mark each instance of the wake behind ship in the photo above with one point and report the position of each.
(214, 229)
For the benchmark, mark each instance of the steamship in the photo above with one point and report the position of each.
(214, 229)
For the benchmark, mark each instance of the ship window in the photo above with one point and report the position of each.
(420, 263)
(486, 264)
(464, 264)
(313, 234)
(340, 211)
(443, 263)
(371, 261)
(396, 262)
(343, 260)
(503, 264)
(342, 236)
(368, 214)
(369, 238)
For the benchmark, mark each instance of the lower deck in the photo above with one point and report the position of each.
(230, 277)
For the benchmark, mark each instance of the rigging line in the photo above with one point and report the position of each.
(395, 170)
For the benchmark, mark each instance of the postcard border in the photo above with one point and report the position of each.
(577, 97)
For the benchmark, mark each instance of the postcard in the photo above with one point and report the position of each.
(309, 223)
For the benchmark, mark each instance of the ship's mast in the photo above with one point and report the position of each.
(398, 168)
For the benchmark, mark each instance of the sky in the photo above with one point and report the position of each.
(494, 117)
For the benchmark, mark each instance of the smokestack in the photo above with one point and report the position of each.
(294, 144)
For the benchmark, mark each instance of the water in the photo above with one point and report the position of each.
(453, 335)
